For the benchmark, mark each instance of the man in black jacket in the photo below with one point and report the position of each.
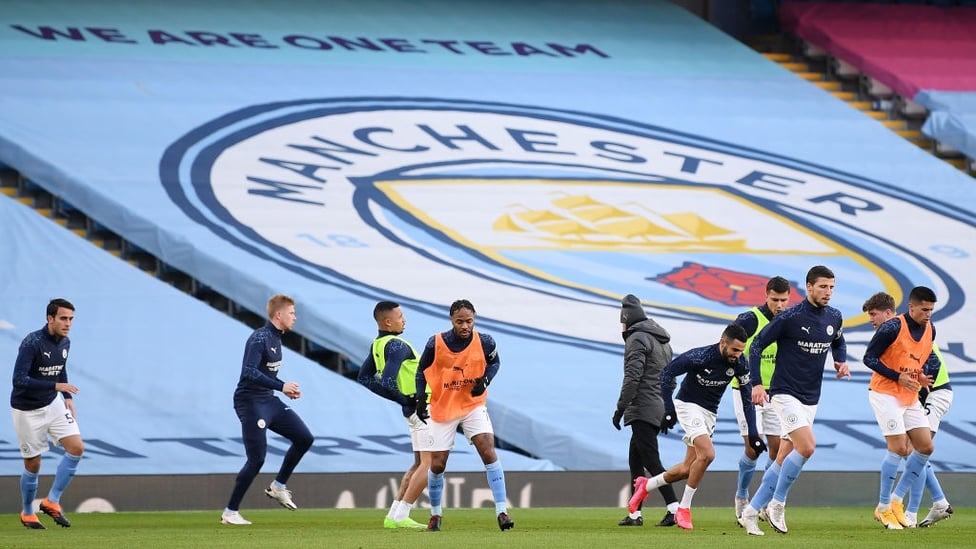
(646, 352)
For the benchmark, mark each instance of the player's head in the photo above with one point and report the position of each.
(389, 317)
(281, 312)
(733, 342)
(777, 294)
(60, 315)
(820, 285)
(631, 311)
(921, 303)
(879, 307)
(462, 318)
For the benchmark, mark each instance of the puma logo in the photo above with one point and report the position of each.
(458, 369)
(806, 329)
(915, 358)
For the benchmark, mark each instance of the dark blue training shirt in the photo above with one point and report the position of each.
(456, 344)
(40, 364)
(803, 334)
(262, 359)
(707, 375)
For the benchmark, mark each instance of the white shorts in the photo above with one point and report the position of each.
(442, 435)
(33, 427)
(937, 404)
(792, 413)
(420, 438)
(695, 420)
(767, 422)
(894, 418)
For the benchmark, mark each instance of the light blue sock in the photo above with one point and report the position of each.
(765, 491)
(769, 462)
(792, 467)
(889, 470)
(914, 470)
(435, 491)
(62, 478)
(747, 468)
(28, 490)
(916, 489)
(932, 483)
(496, 481)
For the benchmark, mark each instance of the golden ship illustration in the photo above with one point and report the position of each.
(580, 220)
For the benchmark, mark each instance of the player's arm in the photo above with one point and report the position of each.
(838, 349)
(769, 334)
(880, 341)
(22, 367)
(930, 370)
(426, 359)
(367, 377)
(748, 321)
(745, 393)
(669, 374)
(492, 361)
(253, 356)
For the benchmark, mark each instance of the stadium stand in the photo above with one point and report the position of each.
(541, 172)
(923, 56)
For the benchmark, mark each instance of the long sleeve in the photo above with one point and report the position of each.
(882, 339)
(769, 334)
(492, 360)
(678, 366)
(253, 354)
(426, 359)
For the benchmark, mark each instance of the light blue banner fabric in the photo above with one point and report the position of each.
(952, 119)
(540, 159)
(156, 371)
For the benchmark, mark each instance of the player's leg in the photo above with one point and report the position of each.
(890, 416)
(921, 440)
(747, 461)
(442, 441)
(254, 437)
(31, 431)
(411, 489)
(799, 427)
(477, 427)
(64, 429)
(704, 454)
(936, 406)
(285, 422)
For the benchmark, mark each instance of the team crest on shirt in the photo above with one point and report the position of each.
(830, 330)
(730, 372)
(64, 354)
(551, 209)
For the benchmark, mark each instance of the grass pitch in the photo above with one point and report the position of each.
(833, 527)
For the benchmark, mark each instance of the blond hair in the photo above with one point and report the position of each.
(277, 303)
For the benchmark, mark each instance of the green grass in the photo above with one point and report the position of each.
(840, 528)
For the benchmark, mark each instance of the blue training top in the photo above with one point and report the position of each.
(41, 363)
(708, 373)
(262, 359)
(803, 333)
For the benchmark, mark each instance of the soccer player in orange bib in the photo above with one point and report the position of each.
(459, 364)
(902, 356)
